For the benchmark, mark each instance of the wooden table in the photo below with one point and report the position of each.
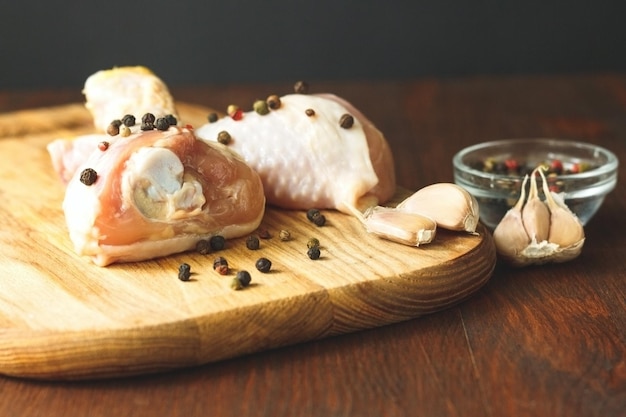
(540, 341)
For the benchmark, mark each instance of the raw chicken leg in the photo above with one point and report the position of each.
(158, 193)
(306, 159)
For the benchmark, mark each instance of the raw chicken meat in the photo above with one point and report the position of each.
(68, 154)
(306, 159)
(159, 193)
(111, 94)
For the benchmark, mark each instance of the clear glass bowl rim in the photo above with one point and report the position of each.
(610, 165)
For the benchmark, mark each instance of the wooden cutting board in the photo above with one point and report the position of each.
(62, 317)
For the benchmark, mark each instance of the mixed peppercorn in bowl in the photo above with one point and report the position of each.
(494, 171)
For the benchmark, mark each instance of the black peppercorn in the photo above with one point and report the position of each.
(212, 117)
(346, 121)
(148, 118)
(114, 127)
(171, 120)
(312, 243)
(252, 242)
(316, 217)
(203, 247)
(263, 265)
(217, 242)
(162, 124)
(88, 176)
(244, 277)
(184, 272)
(128, 120)
(223, 137)
(147, 126)
(313, 252)
(310, 112)
(273, 102)
(301, 87)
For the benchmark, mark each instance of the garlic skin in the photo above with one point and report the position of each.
(451, 206)
(510, 235)
(398, 226)
(559, 237)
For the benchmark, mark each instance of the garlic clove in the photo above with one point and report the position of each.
(398, 226)
(565, 228)
(510, 235)
(535, 214)
(449, 205)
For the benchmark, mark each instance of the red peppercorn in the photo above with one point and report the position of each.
(511, 165)
(103, 146)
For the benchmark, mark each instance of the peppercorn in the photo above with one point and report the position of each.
(147, 121)
(114, 127)
(128, 120)
(273, 102)
(241, 280)
(217, 242)
(232, 109)
(346, 121)
(124, 131)
(301, 87)
(203, 247)
(103, 146)
(284, 235)
(264, 234)
(263, 265)
(184, 272)
(88, 176)
(223, 137)
(148, 118)
(171, 119)
(212, 117)
(260, 106)
(244, 277)
(252, 242)
(313, 242)
(220, 265)
(162, 124)
(310, 112)
(316, 217)
(313, 252)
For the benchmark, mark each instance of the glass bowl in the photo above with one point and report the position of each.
(493, 172)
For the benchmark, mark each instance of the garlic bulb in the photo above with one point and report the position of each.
(537, 232)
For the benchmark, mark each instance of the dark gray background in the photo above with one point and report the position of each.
(58, 44)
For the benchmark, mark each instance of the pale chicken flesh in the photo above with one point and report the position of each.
(159, 193)
(307, 159)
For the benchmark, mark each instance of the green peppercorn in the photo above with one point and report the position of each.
(203, 247)
(273, 102)
(184, 272)
(212, 117)
(301, 87)
(313, 242)
(128, 120)
(313, 252)
(88, 176)
(252, 242)
(236, 284)
(124, 131)
(162, 124)
(217, 242)
(346, 121)
(261, 107)
(171, 119)
(223, 137)
(263, 265)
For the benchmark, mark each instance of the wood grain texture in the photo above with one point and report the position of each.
(66, 318)
(546, 341)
